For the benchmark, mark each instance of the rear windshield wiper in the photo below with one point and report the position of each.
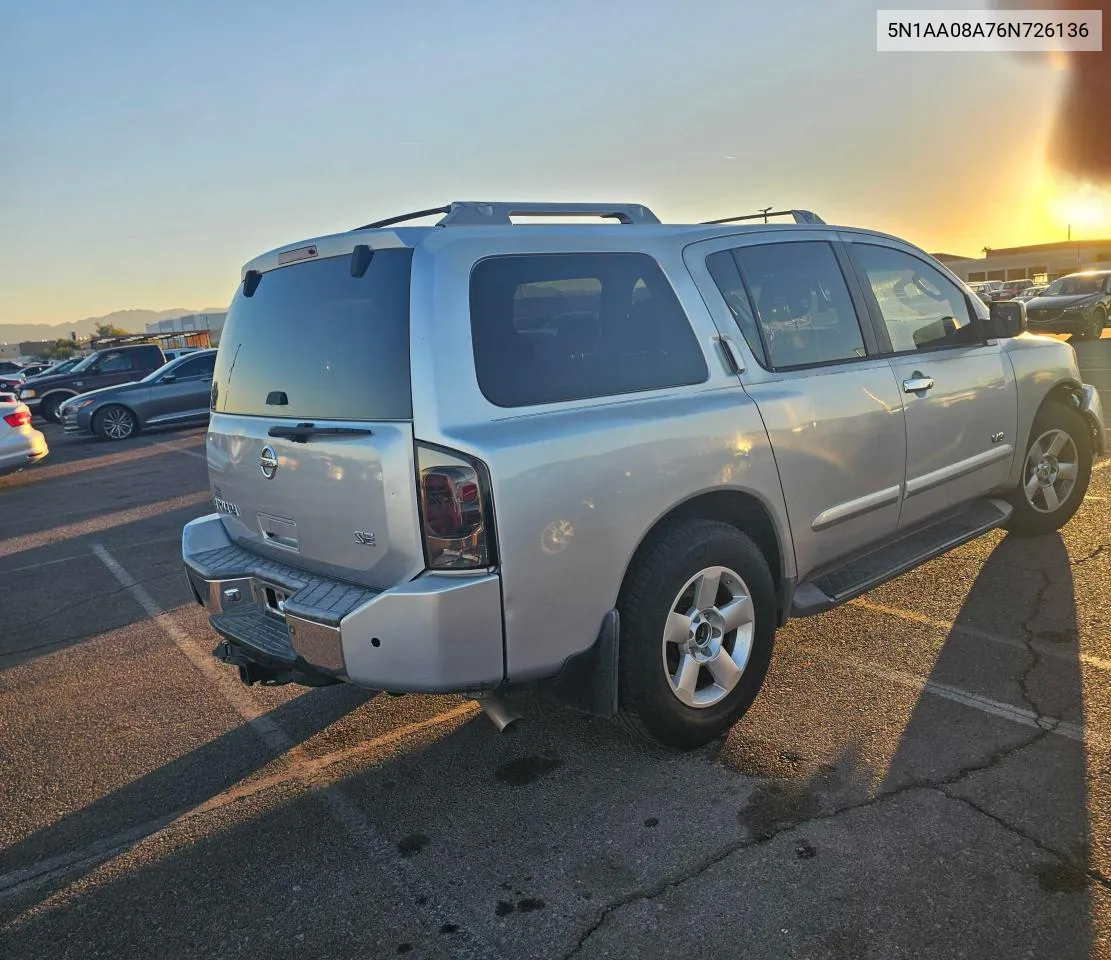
(304, 432)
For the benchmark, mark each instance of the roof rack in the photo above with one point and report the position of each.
(469, 213)
(801, 216)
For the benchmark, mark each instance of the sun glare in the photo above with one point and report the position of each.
(1083, 206)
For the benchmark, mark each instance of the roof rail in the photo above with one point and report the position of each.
(469, 213)
(401, 218)
(466, 213)
(801, 216)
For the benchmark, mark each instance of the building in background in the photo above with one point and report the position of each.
(9, 351)
(1042, 261)
(192, 323)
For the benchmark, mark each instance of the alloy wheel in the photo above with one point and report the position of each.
(1050, 472)
(708, 636)
(118, 423)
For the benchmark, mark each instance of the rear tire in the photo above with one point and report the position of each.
(698, 621)
(115, 422)
(1056, 468)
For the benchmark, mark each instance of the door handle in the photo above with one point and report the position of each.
(917, 383)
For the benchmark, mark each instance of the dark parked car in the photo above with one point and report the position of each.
(10, 366)
(105, 368)
(175, 394)
(1078, 304)
(12, 381)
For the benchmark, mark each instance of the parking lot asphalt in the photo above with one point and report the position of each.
(926, 772)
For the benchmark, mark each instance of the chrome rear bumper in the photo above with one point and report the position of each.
(436, 633)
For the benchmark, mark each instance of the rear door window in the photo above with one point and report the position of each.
(315, 342)
(195, 367)
(117, 362)
(548, 328)
(802, 303)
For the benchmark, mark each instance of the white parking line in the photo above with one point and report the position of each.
(97, 524)
(947, 626)
(409, 884)
(1057, 727)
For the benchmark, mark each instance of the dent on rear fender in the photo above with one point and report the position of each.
(576, 492)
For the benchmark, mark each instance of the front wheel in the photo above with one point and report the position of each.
(1055, 472)
(48, 409)
(1093, 326)
(698, 619)
(114, 423)
(1099, 321)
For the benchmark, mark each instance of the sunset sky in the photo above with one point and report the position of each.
(148, 153)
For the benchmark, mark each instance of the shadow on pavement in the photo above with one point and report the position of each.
(1036, 788)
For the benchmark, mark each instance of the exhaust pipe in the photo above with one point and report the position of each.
(499, 712)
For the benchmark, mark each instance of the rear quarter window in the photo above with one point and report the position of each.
(548, 328)
(332, 345)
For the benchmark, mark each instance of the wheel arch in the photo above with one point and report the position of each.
(738, 508)
(1069, 392)
(63, 393)
(98, 411)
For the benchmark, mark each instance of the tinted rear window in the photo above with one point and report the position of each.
(336, 345)
(554, 327)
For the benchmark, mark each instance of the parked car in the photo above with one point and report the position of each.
(1030, 292)
(174, 352)
(20, 443)
(1012, 288)
(612, 460)
(14, 382)
(105, 368)
(1078, 304)
(986, 290)
(55, 368)
(173, 395)
(10, 366)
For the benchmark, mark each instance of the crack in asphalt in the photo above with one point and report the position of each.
(1080, 561)
(943, 786)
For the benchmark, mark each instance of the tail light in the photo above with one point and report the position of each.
(18, 419)
(456, 510)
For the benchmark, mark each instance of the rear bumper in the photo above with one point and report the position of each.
(433, 634)
(22, 450)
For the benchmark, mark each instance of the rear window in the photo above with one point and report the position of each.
(553, 327)
(335, 345)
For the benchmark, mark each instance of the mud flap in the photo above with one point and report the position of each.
(588, 680)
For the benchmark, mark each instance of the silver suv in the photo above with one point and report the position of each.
(606, 459)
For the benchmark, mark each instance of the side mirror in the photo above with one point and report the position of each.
(1008, 318)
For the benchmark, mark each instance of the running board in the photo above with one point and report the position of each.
(860, 574)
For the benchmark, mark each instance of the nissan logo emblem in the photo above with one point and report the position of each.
(268, 462)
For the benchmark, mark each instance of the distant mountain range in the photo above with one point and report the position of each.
(133, 321)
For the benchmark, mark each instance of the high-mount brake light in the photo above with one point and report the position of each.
(456, 510)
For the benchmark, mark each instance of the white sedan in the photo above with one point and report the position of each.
(20, 443)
